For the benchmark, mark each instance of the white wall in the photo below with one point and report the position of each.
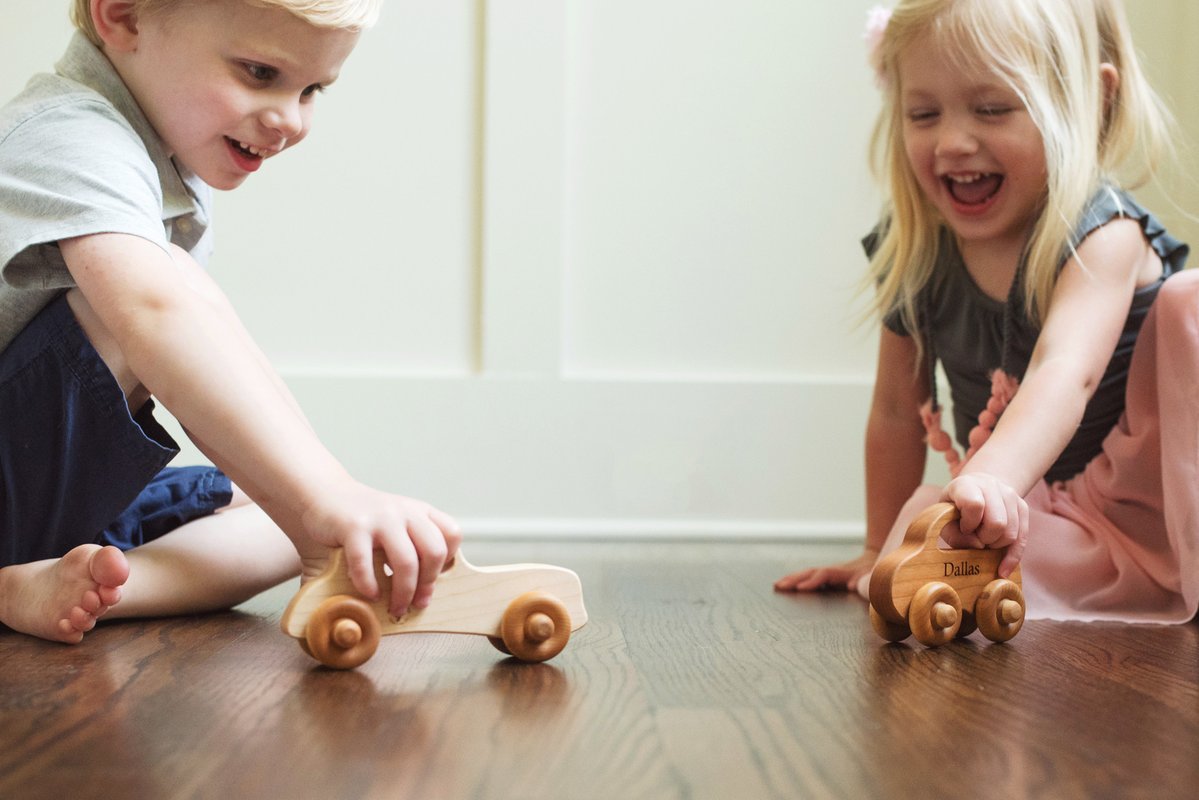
(563, 266)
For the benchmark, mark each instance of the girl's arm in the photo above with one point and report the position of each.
(184, 343)
(895, 455)
(895, 437)
(1089, 306)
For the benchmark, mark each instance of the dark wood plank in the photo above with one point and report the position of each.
(693, 680)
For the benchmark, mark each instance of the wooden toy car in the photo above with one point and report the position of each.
(525, 610)
(937, 594)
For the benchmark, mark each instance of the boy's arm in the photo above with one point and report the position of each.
(200, 281)
(183, 342)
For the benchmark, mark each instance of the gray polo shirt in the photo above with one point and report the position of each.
(77, 157)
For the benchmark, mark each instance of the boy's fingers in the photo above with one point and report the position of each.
(361, 566)
(431, 550)
(451, 531)
(401, 557)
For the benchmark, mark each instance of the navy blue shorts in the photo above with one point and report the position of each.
(75, 465)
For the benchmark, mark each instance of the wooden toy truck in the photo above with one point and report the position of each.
(935, 594)
(525, 610)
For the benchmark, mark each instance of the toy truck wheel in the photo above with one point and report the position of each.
(498, 644)
(969, 624)
(1000, 610)
(535, 627)
(891, 631)
(935, 613)
(342, 633)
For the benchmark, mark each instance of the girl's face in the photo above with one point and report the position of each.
(227, 85)
(975, 151)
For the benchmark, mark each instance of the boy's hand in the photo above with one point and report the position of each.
(993, 515)
(416, 539)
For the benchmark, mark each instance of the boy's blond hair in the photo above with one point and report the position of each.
(354, 15)
(1049, 52)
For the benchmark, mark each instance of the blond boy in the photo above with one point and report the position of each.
(105, 175)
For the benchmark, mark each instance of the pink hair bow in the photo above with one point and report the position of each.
(876, 27)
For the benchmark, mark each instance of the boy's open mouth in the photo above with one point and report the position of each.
(246, 150)
(973, 189)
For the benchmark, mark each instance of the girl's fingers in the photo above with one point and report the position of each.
(968, 496)
(1016, 551)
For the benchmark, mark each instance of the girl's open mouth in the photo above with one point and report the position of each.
(973, 189)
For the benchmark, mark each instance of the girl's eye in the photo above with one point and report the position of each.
(309, 91)
(921, 115)
(994, 111)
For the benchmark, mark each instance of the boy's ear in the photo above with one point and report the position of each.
(1111, 82)
(116, 23)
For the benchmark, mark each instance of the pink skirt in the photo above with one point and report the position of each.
(1120, 541)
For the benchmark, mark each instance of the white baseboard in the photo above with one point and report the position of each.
(535, 528)
(628, 458)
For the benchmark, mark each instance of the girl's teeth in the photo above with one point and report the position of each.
(971, 178)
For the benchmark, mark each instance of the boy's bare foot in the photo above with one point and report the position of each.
(61, 599)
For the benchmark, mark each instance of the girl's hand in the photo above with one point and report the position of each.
(993, 515)
(837, 576)
(416, 539)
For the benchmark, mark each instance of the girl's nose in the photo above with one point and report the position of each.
(956, 139)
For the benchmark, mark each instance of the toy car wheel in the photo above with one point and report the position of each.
(891, 631)
(535, 627)
(343, 632)
(935, 613)
(1000, 610)
(498, 644)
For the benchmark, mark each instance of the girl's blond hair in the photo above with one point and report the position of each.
(1049, 53)
(354, 15)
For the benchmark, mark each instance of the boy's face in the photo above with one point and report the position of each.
(227, 85)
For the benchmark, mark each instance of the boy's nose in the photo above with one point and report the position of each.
(285, 119)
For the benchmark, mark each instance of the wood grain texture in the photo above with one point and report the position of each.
(691, 680)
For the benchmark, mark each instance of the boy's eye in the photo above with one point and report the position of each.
(260, 72)
(309, 91)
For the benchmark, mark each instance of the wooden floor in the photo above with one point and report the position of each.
(692, 680)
